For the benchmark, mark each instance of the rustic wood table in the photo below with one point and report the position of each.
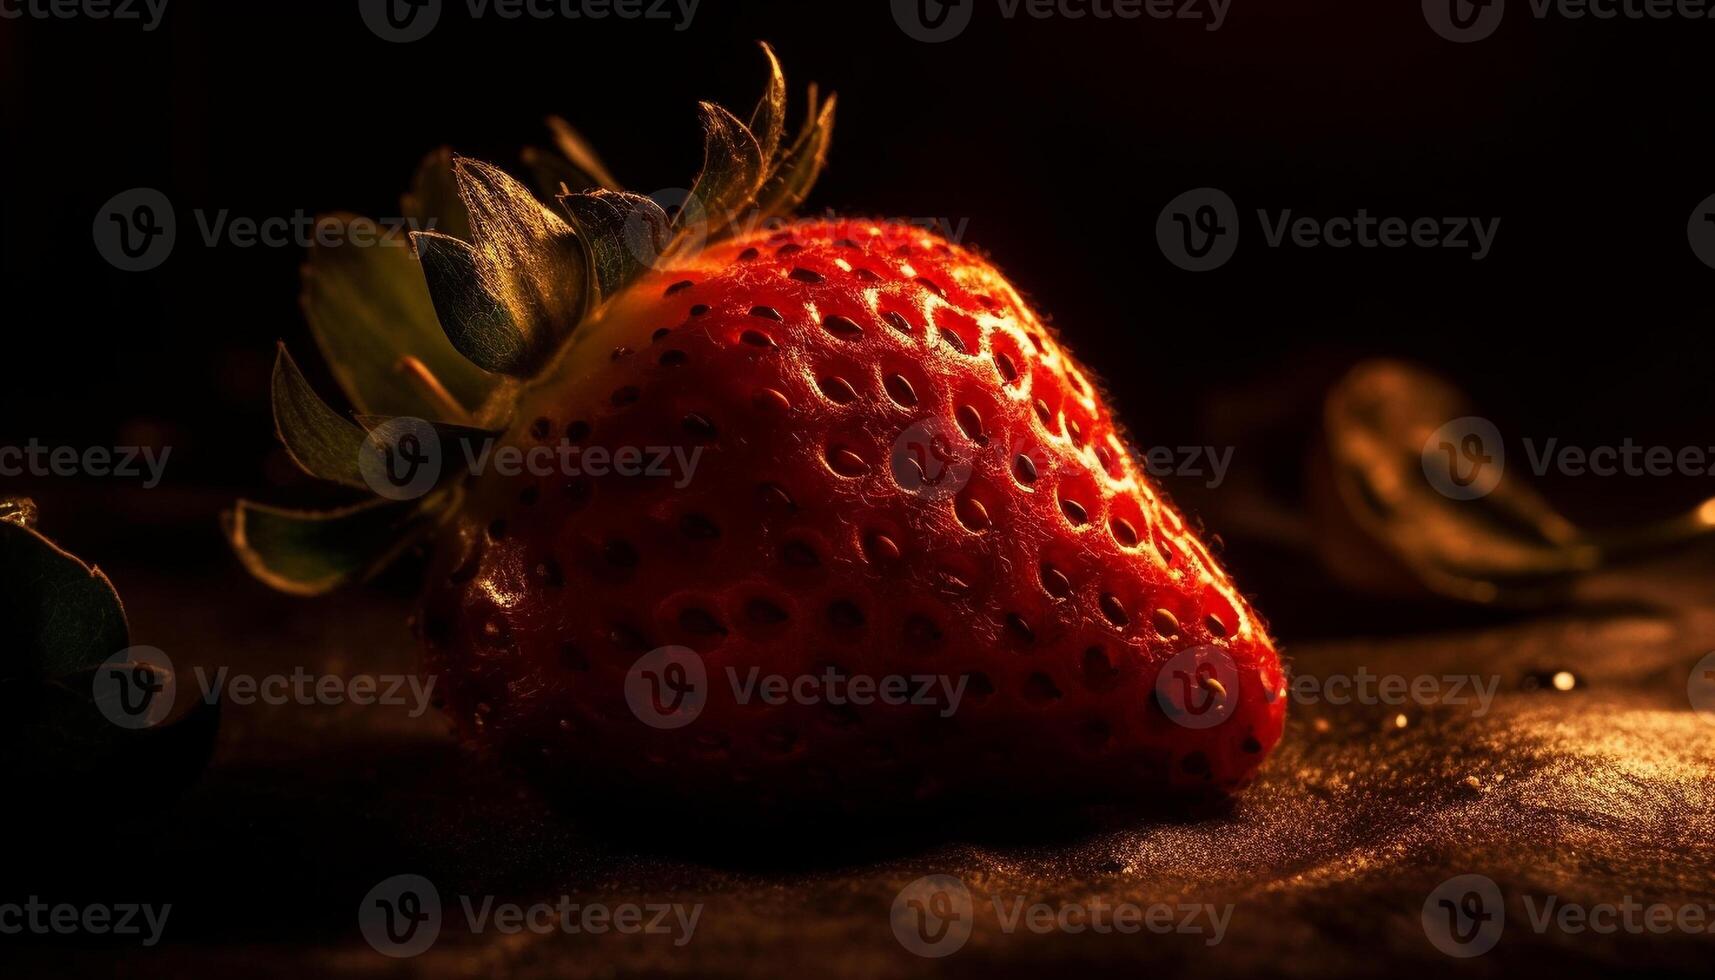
(1601, 795)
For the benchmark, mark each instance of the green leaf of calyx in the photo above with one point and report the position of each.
(476, 323)
(622, 234)
(433, 202)
(322, 442)
(456, 446)
(526, 257)
(801, 165)
(369, 308)
(732, 174)
(768, 121)
(311, 553)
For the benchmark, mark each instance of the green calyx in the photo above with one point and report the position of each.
(432, 343)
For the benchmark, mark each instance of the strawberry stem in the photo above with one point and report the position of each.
(420, 375)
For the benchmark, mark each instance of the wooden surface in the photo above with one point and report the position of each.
(1595, 795)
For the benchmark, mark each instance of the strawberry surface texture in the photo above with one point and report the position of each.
(879, 540)
(771, 513)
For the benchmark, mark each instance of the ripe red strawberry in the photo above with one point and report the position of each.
(878, 464)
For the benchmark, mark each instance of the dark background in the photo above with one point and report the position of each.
(1058, 140)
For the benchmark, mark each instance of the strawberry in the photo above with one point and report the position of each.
(845, 458)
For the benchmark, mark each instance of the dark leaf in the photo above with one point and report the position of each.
(732, 174)
(768, 121)
(455, 445)
(308, 553)
(368, 308)
(802, 165)
(57, 614)
(1412, 467)
(433, 202)
(476, 323)
(322, 442)
(527, 258)
(623, 234)
(72, 762)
